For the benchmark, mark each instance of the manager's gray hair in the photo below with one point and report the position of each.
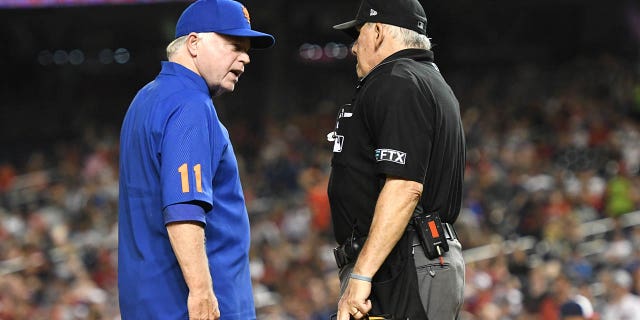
(409, 38)
(175, 45)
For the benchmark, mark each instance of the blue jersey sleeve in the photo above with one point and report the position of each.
(187, 163)
(184, 212)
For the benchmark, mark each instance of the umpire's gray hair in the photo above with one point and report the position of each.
(409, 38)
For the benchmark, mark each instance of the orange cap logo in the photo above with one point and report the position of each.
(246, 14)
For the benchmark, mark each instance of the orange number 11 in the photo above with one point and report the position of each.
(184, 175)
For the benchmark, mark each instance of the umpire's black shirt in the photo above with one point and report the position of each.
(404, 121)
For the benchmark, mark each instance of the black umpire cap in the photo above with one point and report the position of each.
(407, 14)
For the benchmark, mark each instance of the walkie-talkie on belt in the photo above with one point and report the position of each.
(431, 235)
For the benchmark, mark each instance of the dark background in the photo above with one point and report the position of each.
(42, 102)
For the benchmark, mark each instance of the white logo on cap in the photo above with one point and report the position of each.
(421, 25)
(373, 13)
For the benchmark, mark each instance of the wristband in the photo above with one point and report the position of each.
(359, 277)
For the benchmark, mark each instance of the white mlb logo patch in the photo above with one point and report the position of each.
(391, 155)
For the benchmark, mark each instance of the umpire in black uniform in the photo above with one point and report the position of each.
(397, 173)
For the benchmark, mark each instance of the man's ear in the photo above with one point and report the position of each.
(379, 34)
(192, 43)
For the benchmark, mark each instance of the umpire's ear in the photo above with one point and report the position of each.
(380, 33)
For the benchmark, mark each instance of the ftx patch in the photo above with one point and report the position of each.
(391, 155)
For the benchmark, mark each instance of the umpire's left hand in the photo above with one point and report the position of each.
(355, 300)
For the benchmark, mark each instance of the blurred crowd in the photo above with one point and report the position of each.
(549, 151)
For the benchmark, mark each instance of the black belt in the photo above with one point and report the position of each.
(348, 251)
(449, 231)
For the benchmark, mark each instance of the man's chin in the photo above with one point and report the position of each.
(229, 87)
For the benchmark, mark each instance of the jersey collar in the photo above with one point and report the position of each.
(413, 54)
(189, 77)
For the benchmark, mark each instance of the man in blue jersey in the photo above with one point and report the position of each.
(183, 224)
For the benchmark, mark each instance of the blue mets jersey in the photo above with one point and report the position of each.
(174, 150)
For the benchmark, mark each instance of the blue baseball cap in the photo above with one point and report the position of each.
(225, 17)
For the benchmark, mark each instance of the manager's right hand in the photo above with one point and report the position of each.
(203, 306)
